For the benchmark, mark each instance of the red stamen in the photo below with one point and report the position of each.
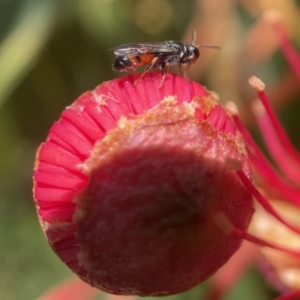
(286, 45)
(264, 202)
(224, 223)
(275, 147)
(264, 168)
(283, 138)
(251, 238)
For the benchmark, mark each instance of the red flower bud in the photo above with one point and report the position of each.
(136, 185)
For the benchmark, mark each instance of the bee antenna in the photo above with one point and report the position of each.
(209, 46)
(194, 36)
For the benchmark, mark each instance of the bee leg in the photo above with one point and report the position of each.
(186, 69)
(165, 71)
(147, 69)
(180, 70)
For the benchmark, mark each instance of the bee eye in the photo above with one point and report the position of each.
(196, 53)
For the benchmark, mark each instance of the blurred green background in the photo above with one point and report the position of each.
(51, 51)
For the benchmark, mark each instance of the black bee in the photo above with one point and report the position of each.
(159, 55)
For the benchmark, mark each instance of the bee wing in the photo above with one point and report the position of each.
(142, 48)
